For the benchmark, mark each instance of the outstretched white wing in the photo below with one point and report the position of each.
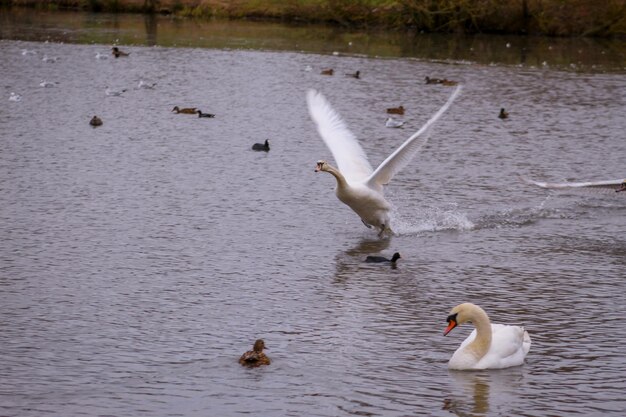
(607, 185)
(348, 153)
(397, 160)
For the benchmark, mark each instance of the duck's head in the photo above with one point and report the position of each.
(395, 257)
(460, 314)
(259, 345)
(321, 166)
(176, 109)
(622, 187)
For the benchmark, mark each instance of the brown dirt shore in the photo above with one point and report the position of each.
(606, 18)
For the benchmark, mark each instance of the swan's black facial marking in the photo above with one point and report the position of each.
(452, 323)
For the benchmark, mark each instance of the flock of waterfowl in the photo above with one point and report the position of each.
(360, 187)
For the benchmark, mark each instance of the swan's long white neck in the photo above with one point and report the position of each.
(341, 180)
(481, 344)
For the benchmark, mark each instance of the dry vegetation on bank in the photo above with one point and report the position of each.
(547, 17)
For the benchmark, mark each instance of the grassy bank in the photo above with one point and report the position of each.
(603, 18)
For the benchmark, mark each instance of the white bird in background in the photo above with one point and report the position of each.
(50, 59)
(113, 93)
(15, 97)
(391, 122)
(46, 84)
(615, 185)
(28, 52)
(489, 346)
(358, 185)
(101, 56)
(143, 84)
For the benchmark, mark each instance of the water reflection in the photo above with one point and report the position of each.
(572, 54)
(351, 261)
(150, 22)
(482, 393)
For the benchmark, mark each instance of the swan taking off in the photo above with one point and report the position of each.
(358, 185)
(489, 346)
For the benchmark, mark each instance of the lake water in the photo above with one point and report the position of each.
(140, 259)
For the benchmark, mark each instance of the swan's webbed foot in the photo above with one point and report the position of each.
(369, 226)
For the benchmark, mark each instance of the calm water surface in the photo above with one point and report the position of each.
(141, 258)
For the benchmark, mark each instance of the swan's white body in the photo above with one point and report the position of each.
(359, 186)
(616, 185)
(489, 346)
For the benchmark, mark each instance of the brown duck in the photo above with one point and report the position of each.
(95, 121)
(255, 357)
(396, 110)
(185, 110)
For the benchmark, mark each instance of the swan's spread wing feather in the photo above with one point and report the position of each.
(348, 153)
(608, 184)
(397, 160)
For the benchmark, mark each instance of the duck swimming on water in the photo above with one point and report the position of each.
(200, 114)
(185, 110)
(396, 110)
(95, 121)
(382, 259)
(255, 357)
(116, 52)
(262, 146)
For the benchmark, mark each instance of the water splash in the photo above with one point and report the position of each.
(430, 220)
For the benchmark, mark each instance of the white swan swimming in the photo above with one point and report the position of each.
(15, 97)
(358, 185)
(616, 185)
(489, 346)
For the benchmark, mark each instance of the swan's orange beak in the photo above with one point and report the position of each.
(451, 325)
